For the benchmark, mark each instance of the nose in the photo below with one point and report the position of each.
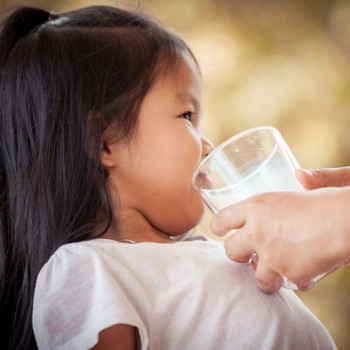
(207, 147)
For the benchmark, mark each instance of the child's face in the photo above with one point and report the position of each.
(153, 174)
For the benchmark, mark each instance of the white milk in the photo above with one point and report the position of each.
(275, 175)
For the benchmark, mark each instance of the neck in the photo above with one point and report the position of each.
(134, 226)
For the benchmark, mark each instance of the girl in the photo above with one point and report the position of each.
(100, 112)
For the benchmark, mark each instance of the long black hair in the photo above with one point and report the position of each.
(64, 81)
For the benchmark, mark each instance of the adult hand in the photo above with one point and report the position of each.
(296, 234)
(317, 178)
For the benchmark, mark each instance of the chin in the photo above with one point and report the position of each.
(200, 214)
(183, 218)
(186, 222)
(194, 216)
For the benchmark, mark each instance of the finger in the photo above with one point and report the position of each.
(317, 178)
(230, 218)
(305, 177)
(269, 281)
(237, 249)
(306, 285)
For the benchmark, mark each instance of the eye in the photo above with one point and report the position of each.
(188, 116)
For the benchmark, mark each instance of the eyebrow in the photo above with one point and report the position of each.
(187, 96)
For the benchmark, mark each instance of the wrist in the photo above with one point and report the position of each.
(341, 237)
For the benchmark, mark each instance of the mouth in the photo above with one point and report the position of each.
(203, 173)
(202, 180)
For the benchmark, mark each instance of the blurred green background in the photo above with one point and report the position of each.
(271, 62)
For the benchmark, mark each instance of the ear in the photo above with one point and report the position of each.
(96, 123)
(108, 156)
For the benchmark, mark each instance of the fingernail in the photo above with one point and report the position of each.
(306, 286)
(262, 284)
(308, 172)
(217, 230)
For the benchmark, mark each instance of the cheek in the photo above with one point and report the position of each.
(172, 161)
(169, 200)
(188, 151)
(177, 182)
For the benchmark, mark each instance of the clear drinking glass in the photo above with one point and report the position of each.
(255, 161)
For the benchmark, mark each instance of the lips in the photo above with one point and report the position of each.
(203, 174)
(202, 180)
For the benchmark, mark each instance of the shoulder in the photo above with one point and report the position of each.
(68, 258)
(83, 289)
(81, 253)
(83, 267)
(81, 250)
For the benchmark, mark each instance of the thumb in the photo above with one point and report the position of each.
(318, 178)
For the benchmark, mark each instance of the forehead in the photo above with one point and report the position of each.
(183, 77)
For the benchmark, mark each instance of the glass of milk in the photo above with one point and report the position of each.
(255, 161)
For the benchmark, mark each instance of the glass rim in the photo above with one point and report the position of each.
(222, 145)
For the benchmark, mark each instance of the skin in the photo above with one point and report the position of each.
(151, 177)
(120, 336)
(153, 174)
(296, 234)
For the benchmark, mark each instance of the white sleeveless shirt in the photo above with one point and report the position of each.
(185, 295)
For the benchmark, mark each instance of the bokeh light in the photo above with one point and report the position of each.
(280, 63)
